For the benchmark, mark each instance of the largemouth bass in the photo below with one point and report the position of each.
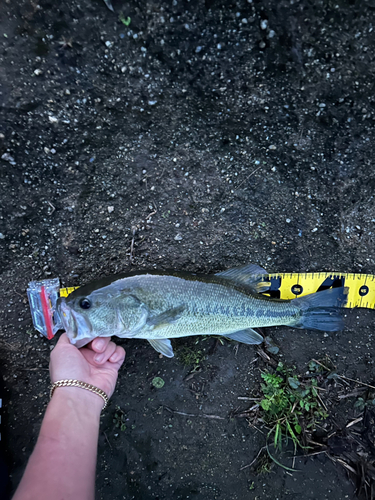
(159, 306)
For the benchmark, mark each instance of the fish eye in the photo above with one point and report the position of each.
(85, 303)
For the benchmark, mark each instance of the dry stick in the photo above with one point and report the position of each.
(321, 402)
(248, 399)
(132, 247)
(255, 459)
(247, 178)
(351, 395)
(150, 215)
(345, 378)
(353, 422)
(105, 435)
(204, 415)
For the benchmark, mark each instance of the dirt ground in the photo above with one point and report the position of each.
(212, 134)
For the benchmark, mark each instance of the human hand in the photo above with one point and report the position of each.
(85, 364)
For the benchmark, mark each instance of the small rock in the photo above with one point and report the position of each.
(9, 158)
(53, 119)
(272, 147)
(2, 236)
(110, 209)
(178, 237)
(108, 44)
(38, 72)
(263, 24)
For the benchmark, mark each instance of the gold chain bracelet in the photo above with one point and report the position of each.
(82, 385)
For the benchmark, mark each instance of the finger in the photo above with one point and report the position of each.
(102, 357)
(118, 356)
(99, 344)
(64, 339)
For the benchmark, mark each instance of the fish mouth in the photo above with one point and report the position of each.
(77, 327)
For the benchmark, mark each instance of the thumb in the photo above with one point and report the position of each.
(64, 339)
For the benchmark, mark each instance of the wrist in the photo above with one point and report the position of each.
(81, 400)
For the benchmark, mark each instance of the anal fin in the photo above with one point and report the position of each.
(163, 346)
(248, 336)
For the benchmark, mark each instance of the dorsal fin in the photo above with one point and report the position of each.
(247, 275)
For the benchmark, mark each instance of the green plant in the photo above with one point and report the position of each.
(190, 356)
(287, 402)
(119, 418)
(125, 20)
(158, 382)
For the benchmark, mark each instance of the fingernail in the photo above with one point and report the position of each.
(99, 358)
(99, 344)
(115, 357)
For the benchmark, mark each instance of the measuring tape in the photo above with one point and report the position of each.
(292, 285)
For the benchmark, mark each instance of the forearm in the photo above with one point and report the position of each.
(63, 463)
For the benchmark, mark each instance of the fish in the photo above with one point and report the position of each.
(159, 306)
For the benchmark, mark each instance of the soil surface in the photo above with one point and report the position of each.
(193, 135)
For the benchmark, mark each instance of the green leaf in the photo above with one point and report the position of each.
(293, 382)
(265, 404)
(158, 382)
(125, 21)
(298, 428)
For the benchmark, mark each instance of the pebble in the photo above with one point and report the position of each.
(2, 236)
(272, 147)
(38, 72)
(178, 237)
(263, 24)
(9, 158)
(53, 119)
(110, 209)
(108, 44)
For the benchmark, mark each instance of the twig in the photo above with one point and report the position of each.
(246, 413)
(315, 453)
(132, 247)
(244, 398)
(321, 364)
(351, 395)
(255, 459)
(321, 402)
(247, 178)
(105, 435)
(343, 377)
(353, 422)
(150, 215)
(204, 415)
(266, 358)
(356, 381)
(53, 208)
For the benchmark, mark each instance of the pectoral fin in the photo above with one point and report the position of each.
(247, 275)
(163, 346)
(248, 336)
(165, 318)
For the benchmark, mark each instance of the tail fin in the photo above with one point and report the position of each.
(322, 310)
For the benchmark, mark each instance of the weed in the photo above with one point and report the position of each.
(125, 20)
(361, 404)
(287, 403)
(120, 419)
(190, 356)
